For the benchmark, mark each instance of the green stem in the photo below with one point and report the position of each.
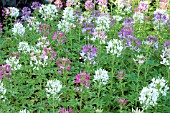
(122, 88)
(53, 105)
(98, 94)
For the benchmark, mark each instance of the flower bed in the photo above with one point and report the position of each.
(95, 60)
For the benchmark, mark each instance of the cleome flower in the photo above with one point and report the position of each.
(101, 76)
(115, 47)
(150, 94)
(53, 87)
(48, 11)
(18, 29)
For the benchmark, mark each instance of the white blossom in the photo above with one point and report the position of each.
(48, 12)
(53, 87)
(33, 24)
(115, 47)
(14, 12)
(103, 23)
(150, 94)
(101, 75)
(18, 29)
(14, 63)
(138, 17)
(148, 97)
(165, 56)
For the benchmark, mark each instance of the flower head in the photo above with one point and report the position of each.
(53, 87)
(83, 78)
(101, 76)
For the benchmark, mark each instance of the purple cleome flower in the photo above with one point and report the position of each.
(5, 71)
(89, 53)
(35, 5)
(59, 37)
(83, 78)
(26, 12)
(63, 63)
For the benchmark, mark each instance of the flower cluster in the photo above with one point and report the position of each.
(126, 32)
(166, 53)
(161, 17)
(88, 28)
(100, 35)
(25, 48)
(115, 47)
(133, 43)
(142, 6)
(101, 76)
(26, 12)
(18, 29)
(103, 23)
(102, 6)
(64, 63)
(53, 87)
(66, 23)
(138, 17)
(83, 78)
(59, 4)
(13, 61)
(149, 95)
(124, 7)
(14, 12)
(35, 5)
(41, 56)
(44, 28)
(1, 25)
(2, 91)
(5, 71)
(89, 53)
(59, 37)
(89, 5)
(33, 24)
(48, 12)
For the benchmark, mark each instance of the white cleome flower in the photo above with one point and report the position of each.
(148, 97)
(115, 47)
(14, 63)
(2, 91)
(103, 23)
(150, 94)
(33, 24)
(18, 29)
(165, 56)
(23, 46)
(53, 87)
(14, 12)
(68, 14)
(101, 75)
(48, 12)
(160, 84)
(138, 17)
